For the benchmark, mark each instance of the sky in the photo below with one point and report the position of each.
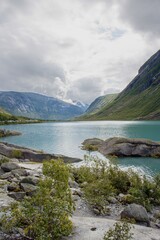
(75, 49)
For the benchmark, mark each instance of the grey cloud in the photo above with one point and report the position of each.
(86, 89)
(142, 15)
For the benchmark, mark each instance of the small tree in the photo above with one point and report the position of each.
(121, 231)
(46, 214)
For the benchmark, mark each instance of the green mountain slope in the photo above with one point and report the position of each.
(5, 116)
(140, 99)
(100, 102)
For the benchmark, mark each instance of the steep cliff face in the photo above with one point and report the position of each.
(148, 74)
(140, 99)
(38, 106)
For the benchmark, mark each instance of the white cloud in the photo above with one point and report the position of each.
(75, 49)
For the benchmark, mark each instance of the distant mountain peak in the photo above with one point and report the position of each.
(35, 105)
(150, 62)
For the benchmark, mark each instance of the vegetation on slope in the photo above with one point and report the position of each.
(4, 116)
(100, 182)
(139, 100)
(100, 102)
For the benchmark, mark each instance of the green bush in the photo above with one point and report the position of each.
(121, 231)
(16, 153)
(103, 181)
(46, 214)
(90, 147)
(4, 160)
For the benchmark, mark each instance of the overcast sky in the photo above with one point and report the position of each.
(75, 49)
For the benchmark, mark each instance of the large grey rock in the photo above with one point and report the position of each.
(17, 195)
(7, 175)
(9, 150)
(124, 147)
(9, 166)
(30, 189)
(30, 179)
(19, 172)
(6, 133)
(136, 212)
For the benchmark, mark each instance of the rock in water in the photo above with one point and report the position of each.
(124, 147)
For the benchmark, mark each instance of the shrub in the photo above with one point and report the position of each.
(103, 181)
(45, 215)
(121, 231)
(90, 147)
(4, 160)
(16, 153)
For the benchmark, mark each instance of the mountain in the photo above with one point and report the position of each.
(81, 105)
(5, 116)
(100, 102)
(38, 106)
(140, 99)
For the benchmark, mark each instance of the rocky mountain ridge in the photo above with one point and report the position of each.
(34, 105)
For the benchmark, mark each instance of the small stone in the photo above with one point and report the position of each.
(112, 200)
(96, 211)
(84, 184)
(73, 184)
(1, 171)
(75, 198)
(157, 214)
(121, 197)
(14, 160)
(17, 195)
(93, 229)
(13, 187)
(76, 192)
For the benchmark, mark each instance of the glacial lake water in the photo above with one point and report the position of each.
(66, 138)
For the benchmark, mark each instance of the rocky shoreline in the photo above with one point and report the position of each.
(19, 177)
(22, 153)
(7, 133)
(123, 147)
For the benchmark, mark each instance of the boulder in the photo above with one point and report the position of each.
(13, 187)
(17, 195)
(11, 150)
(9, 166)
(19, 172)
(73, 184)
(7, 175)
(31, 180)
(30, 189)
(125, 147)
(136, 212)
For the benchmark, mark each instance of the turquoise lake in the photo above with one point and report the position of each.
(66, 138)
